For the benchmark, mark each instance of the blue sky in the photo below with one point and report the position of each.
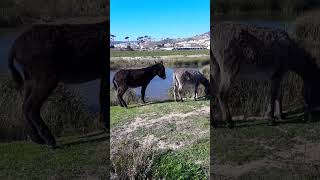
(159, 18)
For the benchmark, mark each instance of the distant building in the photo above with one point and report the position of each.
(167, 49)
(188, 48)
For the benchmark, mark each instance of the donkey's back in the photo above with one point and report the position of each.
(187, 76)
(74, 52)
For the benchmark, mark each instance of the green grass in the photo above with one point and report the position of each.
(178, 166)
(115, 53)
(25, 160)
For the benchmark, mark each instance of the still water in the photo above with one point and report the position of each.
(158, 88)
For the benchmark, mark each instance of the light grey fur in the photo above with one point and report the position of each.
(185, 78)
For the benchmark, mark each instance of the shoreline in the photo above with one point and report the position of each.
(169, 61)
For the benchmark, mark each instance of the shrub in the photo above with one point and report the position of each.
(130, 97)
(131, 160)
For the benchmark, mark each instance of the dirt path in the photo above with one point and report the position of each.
(302, 155)
(163, 132)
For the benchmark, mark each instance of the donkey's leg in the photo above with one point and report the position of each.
(274, 93)
(180, 92)
(223, 96)
(214, 87)
(174, 93)
(278, 105)
(32, 129)
(104, 99)
(118, 96)
(175, 88)
(40, 92)
(196, 91)
(223, 101)
(143, 91)
(121, 90)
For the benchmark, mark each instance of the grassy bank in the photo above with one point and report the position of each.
(173, 137)
(184, 58)
(180, 61)
(262, 7)
(115, 53)
(306, 29)
(15, 13)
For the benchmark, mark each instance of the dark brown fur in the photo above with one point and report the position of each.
(49, 54)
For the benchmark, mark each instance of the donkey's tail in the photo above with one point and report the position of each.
(17, 78)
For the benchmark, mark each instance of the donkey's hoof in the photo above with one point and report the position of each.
(38, 140)
(214, 124)
(230, 124)
(53, 147)
(272, 122)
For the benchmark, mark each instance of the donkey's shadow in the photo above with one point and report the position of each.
(163, 101)
(295, 116)
(99, 136)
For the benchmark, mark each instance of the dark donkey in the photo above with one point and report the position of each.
(49, 54)
(133, 78)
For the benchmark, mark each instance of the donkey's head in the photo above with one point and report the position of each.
(161, 70)
(245, 46)
(206, 84)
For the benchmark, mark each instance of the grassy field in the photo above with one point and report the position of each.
(78, 157)
(184, 58)
(178, 134)
(115, 53)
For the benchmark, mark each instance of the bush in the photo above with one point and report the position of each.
(287, 7)
(64, 112)
(251, 97)
(306, 29)
(131, 160)
(26, 11)
(129, 97)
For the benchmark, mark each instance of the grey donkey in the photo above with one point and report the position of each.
(184, 78)
(248, 51)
